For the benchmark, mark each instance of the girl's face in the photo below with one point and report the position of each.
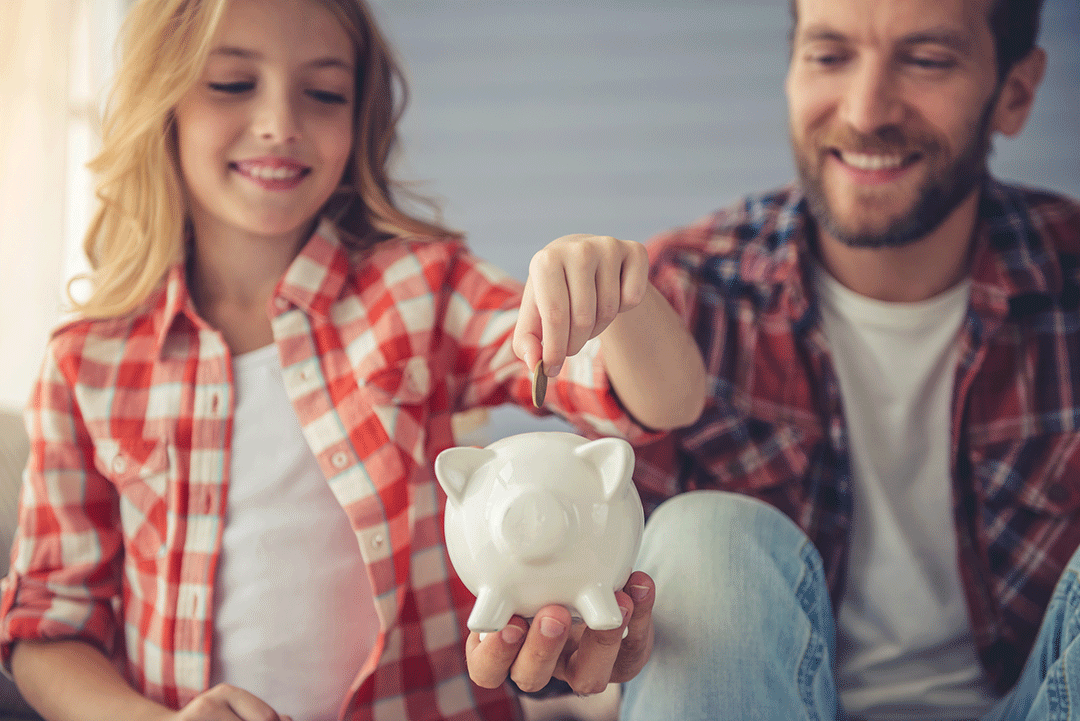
(265, 134)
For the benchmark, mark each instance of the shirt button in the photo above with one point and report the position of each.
(377, 540)
(339, 459)
(119, 464)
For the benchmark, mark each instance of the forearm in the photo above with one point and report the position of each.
(73, 681)
(654, 365)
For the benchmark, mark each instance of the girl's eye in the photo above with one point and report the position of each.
(325, 96)
(232, 88)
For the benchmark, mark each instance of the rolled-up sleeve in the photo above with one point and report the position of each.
(64, 579)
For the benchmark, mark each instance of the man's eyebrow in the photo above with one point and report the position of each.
(330, 61)
(949, 37)
(814, 33)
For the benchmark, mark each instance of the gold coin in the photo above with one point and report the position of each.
(539, 384)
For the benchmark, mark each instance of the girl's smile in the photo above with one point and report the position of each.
(272, 173)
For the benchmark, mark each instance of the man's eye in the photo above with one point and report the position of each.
(826, 60)
(325, 96)
(931, 63)
(232, 88)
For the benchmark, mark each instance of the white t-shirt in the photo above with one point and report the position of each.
(294, 617)
(905, 648)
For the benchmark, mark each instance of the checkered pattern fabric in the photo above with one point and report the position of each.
(774, 427)
(130, 424)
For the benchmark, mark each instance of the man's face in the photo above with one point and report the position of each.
(891, 111)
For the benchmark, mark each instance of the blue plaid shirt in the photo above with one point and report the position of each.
(774, 428)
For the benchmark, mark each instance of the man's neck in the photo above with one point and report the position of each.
(914, 272)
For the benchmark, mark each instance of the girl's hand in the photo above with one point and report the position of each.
(551, 647)
(227, 703)
(577, 284)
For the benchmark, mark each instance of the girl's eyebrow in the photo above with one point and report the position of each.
(330, 61)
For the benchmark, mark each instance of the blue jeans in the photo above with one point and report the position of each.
(745, 630)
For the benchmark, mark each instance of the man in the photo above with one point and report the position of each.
(895, 354)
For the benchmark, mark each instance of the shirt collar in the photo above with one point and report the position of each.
(316, 276)
(1015, 271)
(312, 283)
(770, 264)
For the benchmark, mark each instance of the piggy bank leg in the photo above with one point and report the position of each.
(491, 612)
(598, 608)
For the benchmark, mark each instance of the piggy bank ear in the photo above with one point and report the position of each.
(454, 467)
(613, 459)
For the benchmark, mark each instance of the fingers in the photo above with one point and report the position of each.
(636, 648)
(589, 667)
(489, 658)
(577, 285)
(604, 657)
(526, 653)
(543, 647)
(527, 332)
(547, 275)
(635, 276)
(586, 659)
(228, 703)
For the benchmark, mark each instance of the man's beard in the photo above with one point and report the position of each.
(942, 192)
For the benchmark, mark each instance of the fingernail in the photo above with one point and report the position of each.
(554, 371)
(551, 628)
(639, 592)
(625, 613)
(512, 634)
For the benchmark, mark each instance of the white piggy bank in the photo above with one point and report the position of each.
(542, 518)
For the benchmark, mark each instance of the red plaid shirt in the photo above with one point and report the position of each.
(130, 423)
(774, 427)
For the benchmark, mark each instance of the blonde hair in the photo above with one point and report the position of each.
(140, 227)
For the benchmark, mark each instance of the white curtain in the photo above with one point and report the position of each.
(55, 58)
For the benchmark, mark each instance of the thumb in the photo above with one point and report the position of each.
(528, 332)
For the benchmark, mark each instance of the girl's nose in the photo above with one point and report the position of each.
(276, 119)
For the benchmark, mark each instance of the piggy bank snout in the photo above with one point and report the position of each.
(532, 526)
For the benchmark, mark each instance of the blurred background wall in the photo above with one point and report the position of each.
(529, 119)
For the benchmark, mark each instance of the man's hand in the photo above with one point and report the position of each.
(551, 647)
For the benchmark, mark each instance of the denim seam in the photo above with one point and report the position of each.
(1071, 632)
(810, 664)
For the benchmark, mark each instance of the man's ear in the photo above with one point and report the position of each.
(1018, 92)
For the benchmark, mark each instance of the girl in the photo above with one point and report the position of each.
(230, 511)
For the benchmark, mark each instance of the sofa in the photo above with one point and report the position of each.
(13, 449)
